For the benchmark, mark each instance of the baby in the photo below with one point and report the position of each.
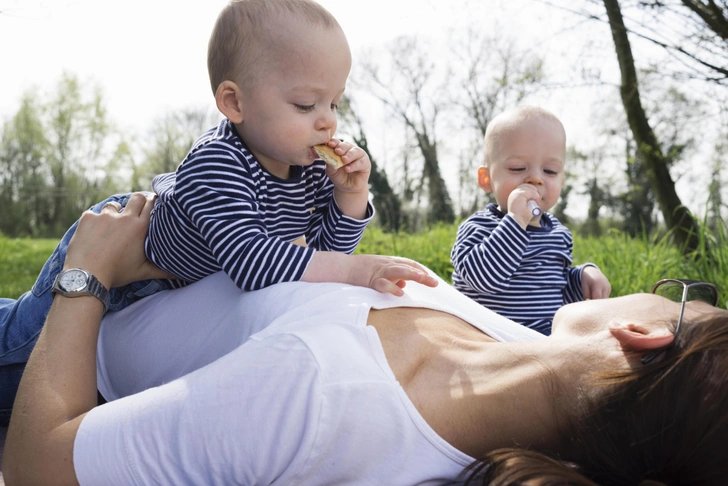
(514, 257)
(254, 184)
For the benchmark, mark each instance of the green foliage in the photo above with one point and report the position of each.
(168, 142)
(430, 247)
(631, 264)
(57, 158)
(20, 263)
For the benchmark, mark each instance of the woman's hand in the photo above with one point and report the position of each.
(59, 385)
(110, 245)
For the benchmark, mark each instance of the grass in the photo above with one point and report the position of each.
(431, 247)
(631, 264)
(20, 263)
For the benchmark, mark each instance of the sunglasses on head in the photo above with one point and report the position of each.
(679, 290)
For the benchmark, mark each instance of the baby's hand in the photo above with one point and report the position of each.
(518, 204)
(594, 284)
(353, 177)
(387, 274)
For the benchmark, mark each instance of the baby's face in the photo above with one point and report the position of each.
(292, 105)
(531, 153)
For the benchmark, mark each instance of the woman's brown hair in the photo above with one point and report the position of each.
(666, 422)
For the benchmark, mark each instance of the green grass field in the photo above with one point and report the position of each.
(20, 263)
(632, 265)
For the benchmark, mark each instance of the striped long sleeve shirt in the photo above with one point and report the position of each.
(221, 210)
(525, 275)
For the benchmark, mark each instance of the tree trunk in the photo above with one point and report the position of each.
(713, 15)
(440, 204)
(596, 197)
(386, 202)
(677, 217)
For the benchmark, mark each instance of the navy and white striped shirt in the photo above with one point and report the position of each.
(525, 275)
(222, 210)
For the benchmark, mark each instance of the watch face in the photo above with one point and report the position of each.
(73, 280)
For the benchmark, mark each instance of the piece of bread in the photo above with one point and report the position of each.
(328, 155)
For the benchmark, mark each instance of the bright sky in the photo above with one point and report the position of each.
(150, 55)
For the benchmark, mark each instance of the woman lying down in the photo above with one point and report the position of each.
(333, 384)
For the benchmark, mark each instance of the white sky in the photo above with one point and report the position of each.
(149, 56)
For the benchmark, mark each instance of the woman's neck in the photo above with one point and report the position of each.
(476, 393)
(500, 395)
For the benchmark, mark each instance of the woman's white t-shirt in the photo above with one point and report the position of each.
(292, 388)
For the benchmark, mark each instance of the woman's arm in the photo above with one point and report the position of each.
(59, 383)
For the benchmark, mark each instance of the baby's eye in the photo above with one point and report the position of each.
(334, 106)
(304, 108)
(517, 169)
(551, 172)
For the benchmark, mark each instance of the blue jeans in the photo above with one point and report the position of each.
(22, 320)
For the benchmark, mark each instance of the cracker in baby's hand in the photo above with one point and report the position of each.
(328, 155)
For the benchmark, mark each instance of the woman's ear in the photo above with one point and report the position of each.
(484, 179)
(229, 101)
(639, 337)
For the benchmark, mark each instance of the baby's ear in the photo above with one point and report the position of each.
(229, 101)
(484, 179)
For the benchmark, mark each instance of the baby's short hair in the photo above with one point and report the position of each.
(235, 42)
(510, 119)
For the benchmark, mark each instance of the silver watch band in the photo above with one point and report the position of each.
(98, 290)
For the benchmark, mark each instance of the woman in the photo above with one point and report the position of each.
(333, 391)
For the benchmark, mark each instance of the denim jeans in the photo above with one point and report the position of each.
(22, 320)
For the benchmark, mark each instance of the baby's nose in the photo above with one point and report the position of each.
(327, 121)
(533, 176)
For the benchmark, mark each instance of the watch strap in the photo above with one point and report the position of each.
(93, 287)
(97, 289)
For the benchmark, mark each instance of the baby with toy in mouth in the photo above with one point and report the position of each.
(514, 257)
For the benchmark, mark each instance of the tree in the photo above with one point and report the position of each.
(716, 200)
(77, 128)
(494, 74)
(171, 137)
(637, 202)
(693, 33)
(699, 44)
(57, 159)
(23, 174)
(677, 217)
(595, 180)
(386, 203)
(409, 93)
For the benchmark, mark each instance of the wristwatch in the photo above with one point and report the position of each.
(75, 282)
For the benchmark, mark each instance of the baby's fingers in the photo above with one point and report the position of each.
(604, 292)
(386, 286)
(417, 273)
(407, 271)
